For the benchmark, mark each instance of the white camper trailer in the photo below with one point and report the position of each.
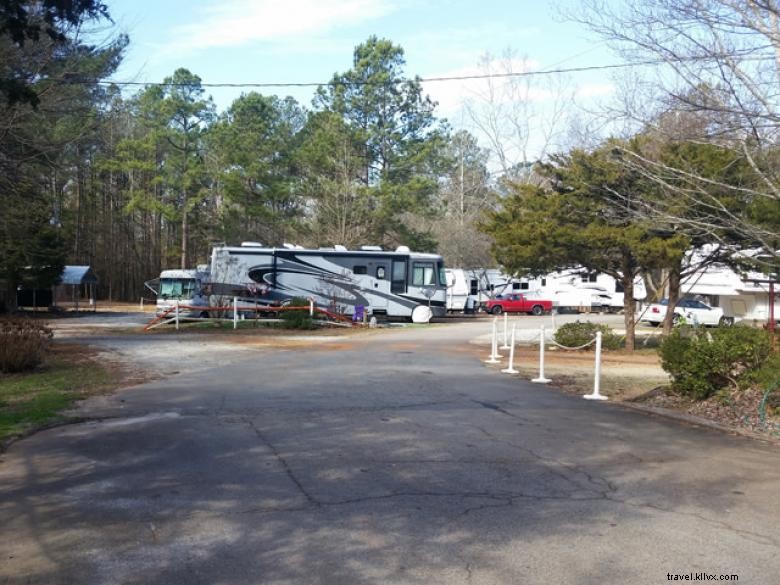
(743, 297)
(575, 289)
(474, 283)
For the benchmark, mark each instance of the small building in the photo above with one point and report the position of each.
(76, 289)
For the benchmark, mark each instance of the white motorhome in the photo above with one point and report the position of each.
(395, 284)
(185, 286)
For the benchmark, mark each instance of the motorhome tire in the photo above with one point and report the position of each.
(422, 314)
(726, 321)
(204, 315)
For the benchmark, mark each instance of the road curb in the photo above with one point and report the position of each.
(698, 421)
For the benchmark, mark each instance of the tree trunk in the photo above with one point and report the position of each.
(184, 229)
(673, 297)
(629, 308)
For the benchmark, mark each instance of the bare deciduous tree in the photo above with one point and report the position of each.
(717, 65)
(519, 117)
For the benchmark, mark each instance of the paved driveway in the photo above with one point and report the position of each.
(389, 458)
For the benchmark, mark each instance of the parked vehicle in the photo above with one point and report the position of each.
(185, 286)
(692, 311)
(518, 303)
(396, 284)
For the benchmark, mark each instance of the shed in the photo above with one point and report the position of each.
(77, 283)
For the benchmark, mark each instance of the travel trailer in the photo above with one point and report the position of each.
(395, 284)
(476, 283)
(742, 296)
(575, 289)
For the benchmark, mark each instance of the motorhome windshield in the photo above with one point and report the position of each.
(177, 288)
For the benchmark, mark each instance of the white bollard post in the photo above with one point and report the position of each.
(505, 346)
(235, 312)
(311, 307)
(176, 311)
(541, 379)
(494, 344)
(511, 369)
(142, 303)
(596, 395)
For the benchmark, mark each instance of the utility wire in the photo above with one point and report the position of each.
(335, 83)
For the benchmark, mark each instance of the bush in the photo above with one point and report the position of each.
(23, 343)
(298, 319)
(579, 333)
(768, 375)
(702, 361)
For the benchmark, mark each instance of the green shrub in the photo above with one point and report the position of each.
(579, 333)
(703, 361)
(297, 319)
(23, 343)
(768, 375)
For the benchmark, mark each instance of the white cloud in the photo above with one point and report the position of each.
(237, 22)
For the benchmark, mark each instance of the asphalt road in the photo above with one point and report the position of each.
(395, 458)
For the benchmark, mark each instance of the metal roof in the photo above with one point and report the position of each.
(78, 275)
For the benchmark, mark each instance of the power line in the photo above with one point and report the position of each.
(444, 79)
(511, 74)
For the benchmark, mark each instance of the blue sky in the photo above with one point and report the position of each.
(293, 41)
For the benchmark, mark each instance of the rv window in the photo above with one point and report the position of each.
(619, 287)
(544, 282)
(442, 274)
(474, 287)
(423, 274)
(380, 272)
(360, 270)
(398, 283)
(516, 286)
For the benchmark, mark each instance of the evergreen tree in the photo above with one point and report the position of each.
(252, 149)
(398, 138)
(583, 216)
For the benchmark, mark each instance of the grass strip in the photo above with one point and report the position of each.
(36, 399)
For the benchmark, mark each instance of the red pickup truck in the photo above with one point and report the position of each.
(518, 303)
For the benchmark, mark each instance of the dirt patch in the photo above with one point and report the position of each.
(637, 378)
(624, 375)
(740, 409)
(121, 372)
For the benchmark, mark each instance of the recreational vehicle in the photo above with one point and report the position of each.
(395, 284)
(574, 289)
(184, 286)
(743, 297)
(476, 283)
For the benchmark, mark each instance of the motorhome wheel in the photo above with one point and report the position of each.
(422, 314)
